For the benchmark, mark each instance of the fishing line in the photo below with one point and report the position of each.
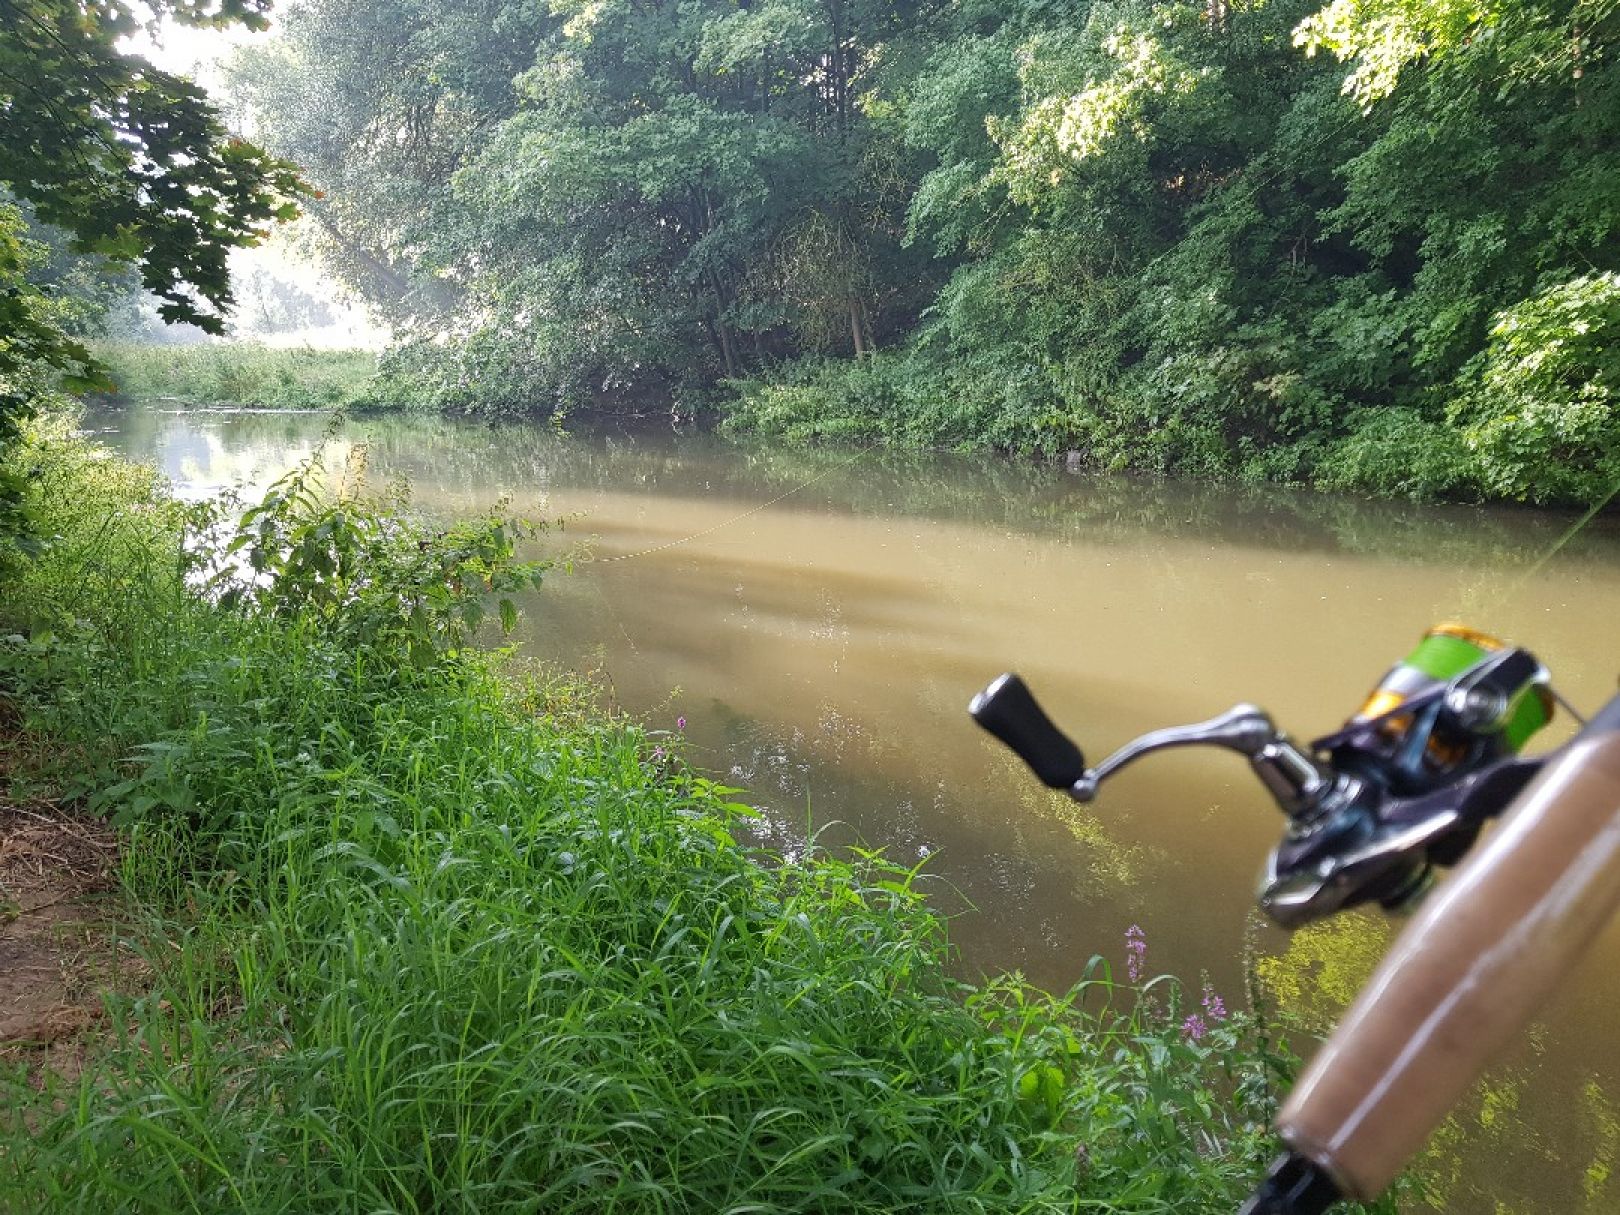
(1558, 545)
(1502, 597)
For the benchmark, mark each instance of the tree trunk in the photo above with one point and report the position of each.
(391, 279)
(1578, 60)
(837, 68)
(728, 350)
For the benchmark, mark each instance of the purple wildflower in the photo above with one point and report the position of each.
(680, 723)
(1213, 1004)
(1194, 1028)
(658, 755)
(1135, 952)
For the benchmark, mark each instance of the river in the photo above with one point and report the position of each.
(819, 620)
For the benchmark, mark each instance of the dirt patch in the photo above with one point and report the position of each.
(58, 936)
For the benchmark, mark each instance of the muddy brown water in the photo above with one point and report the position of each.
(820, 620)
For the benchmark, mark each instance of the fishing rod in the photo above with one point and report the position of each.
(1372, 811)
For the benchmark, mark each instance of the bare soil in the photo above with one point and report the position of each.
(59, 938)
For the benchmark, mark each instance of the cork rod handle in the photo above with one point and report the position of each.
(1468, 973)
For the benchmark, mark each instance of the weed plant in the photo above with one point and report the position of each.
(243, 374)
(423, 937)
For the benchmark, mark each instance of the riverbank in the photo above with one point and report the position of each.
(238, 374)
(1525, 447)
(417, 931)
(1521, 431)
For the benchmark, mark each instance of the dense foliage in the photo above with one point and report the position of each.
(1168, 236)
(417, 937)
(608, 199)
(131, 160)
(111, 167)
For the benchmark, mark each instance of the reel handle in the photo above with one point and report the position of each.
(1010, 711)
(1296, 780)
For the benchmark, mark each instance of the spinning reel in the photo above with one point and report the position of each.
(1402, 787)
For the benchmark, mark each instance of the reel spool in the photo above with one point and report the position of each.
(1460, 700)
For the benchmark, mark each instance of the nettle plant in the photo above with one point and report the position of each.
(367, 570)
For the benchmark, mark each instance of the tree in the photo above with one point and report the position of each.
(1155, 231)
(380, 102)
(583, 200)
(131, 162)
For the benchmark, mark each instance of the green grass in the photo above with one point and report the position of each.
(428, 936)
(242, 374)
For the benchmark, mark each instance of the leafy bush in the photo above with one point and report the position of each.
(886, 398)
(491, 371)
(1542, 420)
(1398, 453)
(911, 399)
(368, 578)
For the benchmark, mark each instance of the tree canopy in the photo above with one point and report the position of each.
(1243, 237)
(131, 163)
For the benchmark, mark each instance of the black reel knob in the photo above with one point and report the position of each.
(1009, 711)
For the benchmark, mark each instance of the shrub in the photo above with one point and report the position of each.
(1397, 453)
(1542, 413)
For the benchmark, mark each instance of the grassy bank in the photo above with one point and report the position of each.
(243, 374)
(1526, 431)
(419, 934)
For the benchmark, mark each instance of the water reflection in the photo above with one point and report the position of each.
(820, 619)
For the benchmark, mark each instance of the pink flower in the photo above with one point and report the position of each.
(1194, 1028)
(1135, 952)
(680, 723)
(1213, 1004)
